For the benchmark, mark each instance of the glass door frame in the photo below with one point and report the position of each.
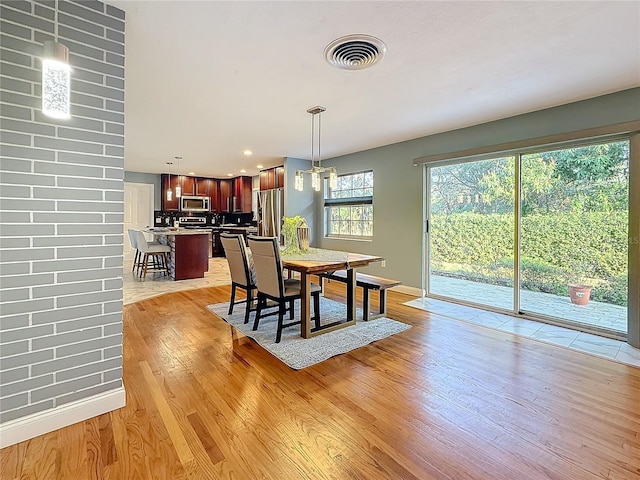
(426, 253)
(633, 263)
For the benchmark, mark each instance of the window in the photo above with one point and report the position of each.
(348, 208)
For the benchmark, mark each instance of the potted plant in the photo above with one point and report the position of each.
(580, 290)
(579, 293)
(290, 227)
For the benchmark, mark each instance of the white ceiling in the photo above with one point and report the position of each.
(206, 80)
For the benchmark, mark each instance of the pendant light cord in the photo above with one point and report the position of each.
(55, 25)
(319, 137)
(313, 136)
(313, 142)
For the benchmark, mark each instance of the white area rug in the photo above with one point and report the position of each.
(298, 352)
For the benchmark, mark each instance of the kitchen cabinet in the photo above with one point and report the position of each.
(169, 182)
(209, 187)
(202, 186)
(226, 195)
(214, 195)
(242, 188)
(272, 178)
(268, 179)
(189, 257)
(235, 195)
(188, 185)
(279, 177)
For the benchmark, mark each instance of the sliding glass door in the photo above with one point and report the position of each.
(544, 234)
(574, 231)
(471, 232)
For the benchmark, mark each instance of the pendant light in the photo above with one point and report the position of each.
(316, 170)
(56, 76)
(169, 192)
(179, 184)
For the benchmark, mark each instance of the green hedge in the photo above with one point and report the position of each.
(558, 248)
(471, 238)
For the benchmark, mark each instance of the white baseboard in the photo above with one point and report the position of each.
(21, 429)
(415, 291)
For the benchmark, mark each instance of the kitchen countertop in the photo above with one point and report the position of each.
(180, 231)
(203, 229)
(238, 227)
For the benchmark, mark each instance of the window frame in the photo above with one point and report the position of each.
(329, 203)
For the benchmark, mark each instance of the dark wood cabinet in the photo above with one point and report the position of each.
(203, 186)
(226, 195)
(279, 177)
(268, 179)
(264, 180)
(242, 189)
(272, 178)
(188, 185)
(235, 195)
(209, 187)
(190, 256)
(214, 194)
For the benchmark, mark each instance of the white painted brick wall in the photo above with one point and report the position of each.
(61, 209)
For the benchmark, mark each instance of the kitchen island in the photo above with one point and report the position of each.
(189, 257)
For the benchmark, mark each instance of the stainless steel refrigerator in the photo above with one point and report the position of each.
(270, 212)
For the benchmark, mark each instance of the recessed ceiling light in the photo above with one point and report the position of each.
(229, 174)
(243, 171)
(192, 173)
(248, 152)
(259, 166)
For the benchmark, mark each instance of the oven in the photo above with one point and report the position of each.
(192, 222)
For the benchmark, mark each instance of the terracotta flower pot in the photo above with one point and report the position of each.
(579, 294)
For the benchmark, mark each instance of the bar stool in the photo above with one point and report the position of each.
(136, 260)
(157, 253)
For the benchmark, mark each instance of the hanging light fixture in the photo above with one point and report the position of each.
(169, 192)
(179, 184)
(316, 169)
(56, 76)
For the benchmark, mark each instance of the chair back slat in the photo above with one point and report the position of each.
(268, 266)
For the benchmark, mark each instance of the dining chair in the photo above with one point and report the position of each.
(154, 252)
(272, 285)
(241, 269)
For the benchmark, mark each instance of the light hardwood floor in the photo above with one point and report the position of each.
(444, 399)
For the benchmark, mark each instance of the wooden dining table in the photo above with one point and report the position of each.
(321, 261)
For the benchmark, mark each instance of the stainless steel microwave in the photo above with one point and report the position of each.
(194, 204)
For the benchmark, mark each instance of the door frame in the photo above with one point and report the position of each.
(633, 263)
(149, 187)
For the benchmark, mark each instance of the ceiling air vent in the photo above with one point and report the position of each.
(355, 52)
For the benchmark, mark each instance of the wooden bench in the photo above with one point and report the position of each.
(367, 283)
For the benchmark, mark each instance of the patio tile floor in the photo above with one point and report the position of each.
(595, 313)
(599, 314)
